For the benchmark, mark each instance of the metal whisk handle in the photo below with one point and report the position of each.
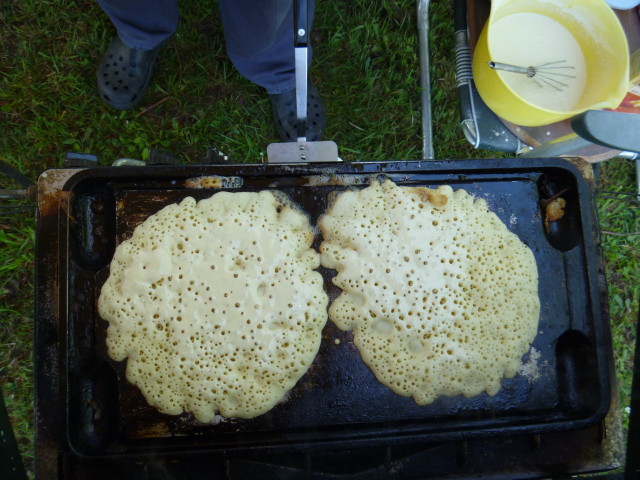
(528, 71)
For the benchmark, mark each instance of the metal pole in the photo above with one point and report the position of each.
(637, 160)
(632, 465)
(425, 81)
(13, 193)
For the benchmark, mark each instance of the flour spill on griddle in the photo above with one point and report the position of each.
(532, 367)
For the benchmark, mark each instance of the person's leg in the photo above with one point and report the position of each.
(260, 42)
(142, 24)
(143, 27)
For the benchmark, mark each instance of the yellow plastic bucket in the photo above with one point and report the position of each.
(578, 43)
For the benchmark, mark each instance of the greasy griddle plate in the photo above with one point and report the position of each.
(565, 384)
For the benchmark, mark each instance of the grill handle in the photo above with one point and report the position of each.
(301, 52)
(301, 23)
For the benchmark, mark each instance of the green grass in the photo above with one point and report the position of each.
(16, 324)
(619, 215)
(365, 65)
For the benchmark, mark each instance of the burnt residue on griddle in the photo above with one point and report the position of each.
(560, 209)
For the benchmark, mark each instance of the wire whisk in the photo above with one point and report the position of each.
(550, 74)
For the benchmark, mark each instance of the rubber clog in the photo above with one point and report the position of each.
(283, 109)
(124, 74)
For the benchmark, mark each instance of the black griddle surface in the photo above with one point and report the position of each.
(339, 402)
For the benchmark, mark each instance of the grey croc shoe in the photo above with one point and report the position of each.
(283, 109)
(124, 74)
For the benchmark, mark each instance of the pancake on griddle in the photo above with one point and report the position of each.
(441, 297)
(216, 305)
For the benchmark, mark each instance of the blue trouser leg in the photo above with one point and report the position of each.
(259, 37)
(142, 24)
(258, 34)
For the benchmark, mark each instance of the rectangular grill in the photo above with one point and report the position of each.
(91, 421)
